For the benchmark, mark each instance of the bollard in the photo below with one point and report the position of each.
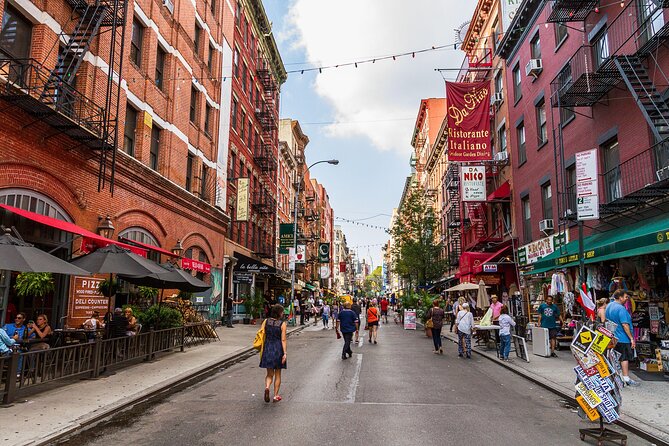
(10, 383)
(183, 337)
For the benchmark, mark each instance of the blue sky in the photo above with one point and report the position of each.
(363, 116)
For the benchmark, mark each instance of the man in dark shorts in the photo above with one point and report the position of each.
(616, 312)
(349, 322)
(384, 309)
(549, 315)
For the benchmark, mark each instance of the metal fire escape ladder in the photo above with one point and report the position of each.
(654, 109)
(70, 58)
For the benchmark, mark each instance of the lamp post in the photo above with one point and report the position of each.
(297, 205)
(178, 251)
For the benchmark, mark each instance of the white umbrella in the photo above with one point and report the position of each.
(466, 286)
(482, 296)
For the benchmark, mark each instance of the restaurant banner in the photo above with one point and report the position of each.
(342, 267)
(324, 253)
(286, 239)
(195, 265)
(468, 121)
(85, 298)
(473, 183)
(242, 199)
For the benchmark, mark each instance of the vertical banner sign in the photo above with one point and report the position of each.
(473, 183)
(286, 240)
(324, 253)
(301, 254)
(587, 185)
(342, 267)
(243, 199)
(468, 119)
(509, 8)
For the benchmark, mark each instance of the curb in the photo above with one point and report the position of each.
(622, 421)
(158, 392)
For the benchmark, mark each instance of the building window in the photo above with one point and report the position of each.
(210, 58)
(212, 7)
(242, 125)
(499, 83)
(542, 129)
(496, 34)
(611, 164)
(16, 33)
(571, 189)
(520, 134)
(155, 148)
(233, 164)
(141, 235)
(235, 110)
(250, 135)
(561, 33)
(517, 93)
(193, 104)
(204, 180)
(136, 42)
(243, 78)
(235, 63)
(238, 13)
(601, 48)
(547, 201)
(189, 172)
(535, 47)
(566, 115)
(160, 67)
(196, 38)
(207, 119)
(527, 219)
(129, 130)
(501, 139)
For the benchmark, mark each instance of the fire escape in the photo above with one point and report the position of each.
(51, 96)
(621, 55)
(453, 215)
(265, 155)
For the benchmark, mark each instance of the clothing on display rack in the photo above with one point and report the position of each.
(558, 284)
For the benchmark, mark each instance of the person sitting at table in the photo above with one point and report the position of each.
(40, 331)
(91, 325)
(118, 325)
(17, 330)
(132, 322)
(6, 343)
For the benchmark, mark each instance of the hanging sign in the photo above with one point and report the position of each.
(489, 267)
(286, 239)
(587, 185)
(325, 272)
(468, 121)
(324, 252)
(472, 179)
(301, 254)
(242, 199)
(195, 265)
(342, 267)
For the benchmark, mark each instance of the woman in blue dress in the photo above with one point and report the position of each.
(274, 351)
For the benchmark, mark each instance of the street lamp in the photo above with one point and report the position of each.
(297, 205)
(105, 227)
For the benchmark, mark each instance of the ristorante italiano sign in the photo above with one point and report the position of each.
(468, 116)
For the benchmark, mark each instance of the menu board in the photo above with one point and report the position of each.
(84, 299)
(409, 319)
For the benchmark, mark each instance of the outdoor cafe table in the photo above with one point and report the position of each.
(484, 334)
(61, 335)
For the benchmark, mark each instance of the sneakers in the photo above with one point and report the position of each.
(344, 357)
(370, 340)
(632, 383)
(554, 355)
(436, 352)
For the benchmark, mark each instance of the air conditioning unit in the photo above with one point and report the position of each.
(501, 156)
(169, 4)
(662, 174)
(497, 98)
(533, 67)
(546, 225)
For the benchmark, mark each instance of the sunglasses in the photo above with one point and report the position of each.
(18, 317)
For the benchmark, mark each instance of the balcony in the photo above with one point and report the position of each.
(23, 82)
(571, 10)
(264, 157)
(640, 180)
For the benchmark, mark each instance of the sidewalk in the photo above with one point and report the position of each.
(50, 414)
(644, 407)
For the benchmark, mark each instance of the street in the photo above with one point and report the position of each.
(395, 392)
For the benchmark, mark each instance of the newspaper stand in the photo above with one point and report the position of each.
(598, 382)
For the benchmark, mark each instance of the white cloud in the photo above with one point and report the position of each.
(375, 100)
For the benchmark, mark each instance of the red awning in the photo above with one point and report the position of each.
(91, 240)
(479, 268)
(469, 260)
(501, 193)
(149, 247)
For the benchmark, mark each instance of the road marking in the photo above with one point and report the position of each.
(354, 382)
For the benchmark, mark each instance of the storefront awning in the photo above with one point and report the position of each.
(470, 260)
(90, 240)
(501, 193)
(148, 247)
(479, 268)
(249, 265)
(647, 237)
(310, 287)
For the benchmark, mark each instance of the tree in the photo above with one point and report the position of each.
(374, 282)
(416, 250)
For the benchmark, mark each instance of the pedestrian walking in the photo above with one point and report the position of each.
(436, 314)
(384, 309)
(274, 351)
(617, 313)
(457, 306)
(326, 315)
(373, 321)
(549, 316)
(348, 322)
(465, 325)
(505, 324)
(357, 310)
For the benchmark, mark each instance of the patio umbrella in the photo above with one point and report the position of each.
(171, 277)
(482, 296)
(114, 259)
(17, 255)
(465, 286)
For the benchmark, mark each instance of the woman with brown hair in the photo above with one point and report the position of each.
(41, 330)
(273, 354)
(437, 315)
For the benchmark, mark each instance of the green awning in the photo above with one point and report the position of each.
(310, 287)
(647, 237)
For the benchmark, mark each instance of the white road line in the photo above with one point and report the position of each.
(354, 382)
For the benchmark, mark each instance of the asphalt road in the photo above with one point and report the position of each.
(394, 393)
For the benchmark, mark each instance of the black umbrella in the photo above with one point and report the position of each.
(172, 277)
(17, 255)
(114, 259)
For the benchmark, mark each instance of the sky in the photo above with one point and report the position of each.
(363, 116)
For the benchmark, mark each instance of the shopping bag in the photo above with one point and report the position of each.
(259, 340)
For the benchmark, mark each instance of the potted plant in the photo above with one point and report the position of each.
(256, 306)
(34, 284)
(108, 287)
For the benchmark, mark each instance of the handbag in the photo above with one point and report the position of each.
(259, 341)
(429, 323)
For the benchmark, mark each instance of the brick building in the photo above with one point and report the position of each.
(63, 119)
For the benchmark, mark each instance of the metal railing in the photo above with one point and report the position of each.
(20, 77)
(25, 370)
